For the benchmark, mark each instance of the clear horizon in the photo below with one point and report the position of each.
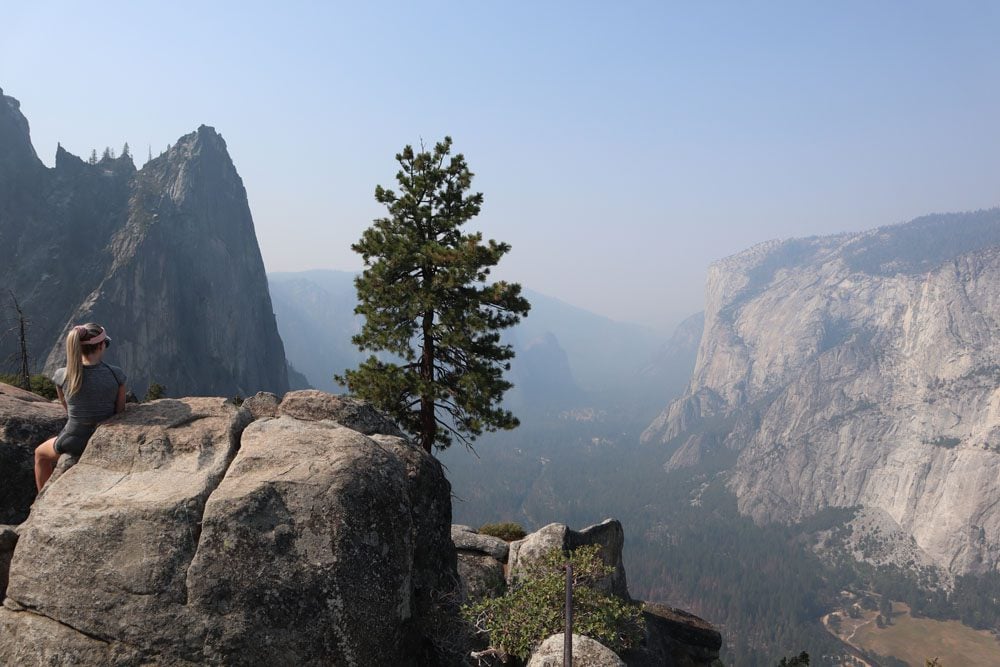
(620, 148)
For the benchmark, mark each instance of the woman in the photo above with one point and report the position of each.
(90, 391)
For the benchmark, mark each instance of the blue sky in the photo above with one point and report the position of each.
(620, 146)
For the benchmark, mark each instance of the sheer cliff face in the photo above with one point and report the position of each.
(166, 257)
(858, 369)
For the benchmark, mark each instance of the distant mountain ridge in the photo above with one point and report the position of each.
(564, 356)
(166, 257)
(857, 369)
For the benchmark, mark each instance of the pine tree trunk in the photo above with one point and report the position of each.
(24, 371)
(428, 426)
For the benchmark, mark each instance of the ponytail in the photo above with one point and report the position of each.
(82, 340)
(74, 365)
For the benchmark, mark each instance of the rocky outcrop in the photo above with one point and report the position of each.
(469, 539)
(675, 637)
(166, 257)
(189, 533)
(859, 369)
(314, 405)
(609, 535)
(586, 651)
(26, 421)
(481, 563)
(672, 636)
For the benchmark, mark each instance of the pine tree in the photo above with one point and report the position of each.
(425, 300)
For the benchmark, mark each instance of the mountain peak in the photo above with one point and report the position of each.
(197, 165)
(16, 152)
(204, 141)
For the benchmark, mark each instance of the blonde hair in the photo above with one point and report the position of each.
(76, 349)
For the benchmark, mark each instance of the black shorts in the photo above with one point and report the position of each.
(74, 438)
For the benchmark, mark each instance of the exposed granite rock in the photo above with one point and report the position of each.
(335, 541)
(480, 576)
(186, 536)
(121, 528)
(312, 405)
(859, 369)
(608, 534)
(467, 539)
(263, 404)
(41, 641)
(26, 421)
(586, 652)
(166, 257)
(675, 637)
(481, 561)
(433, 578)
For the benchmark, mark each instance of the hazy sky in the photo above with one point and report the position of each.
(620, 146)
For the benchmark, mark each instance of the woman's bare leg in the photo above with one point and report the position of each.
(45, 462)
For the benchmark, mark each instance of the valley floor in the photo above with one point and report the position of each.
(914, 640)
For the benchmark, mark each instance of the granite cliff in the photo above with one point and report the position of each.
(857, 370)
(165, 256)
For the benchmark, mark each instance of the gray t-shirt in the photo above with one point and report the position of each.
(95, 401)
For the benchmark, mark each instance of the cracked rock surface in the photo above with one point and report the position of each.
(188, 534)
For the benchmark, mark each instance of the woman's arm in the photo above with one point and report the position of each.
(120, 399)
(62, 398)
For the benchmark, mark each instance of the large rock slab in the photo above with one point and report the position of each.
(107, 547)
(184, 536)
(43, 641)
(26, 421)
(675, 637)
(587, 652)
(307, 550)
(312, 405)
(467, 539)
(481, 576)
(609, 534)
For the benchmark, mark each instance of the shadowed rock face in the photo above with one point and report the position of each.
(860, 369)
(189, 534)
(166, 257)
(26, 421)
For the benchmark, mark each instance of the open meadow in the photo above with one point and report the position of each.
(914, 640)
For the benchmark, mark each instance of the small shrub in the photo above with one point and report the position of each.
(40, 385)
(43, 386)
(155, 392)
(533, 607)
(508, 531)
